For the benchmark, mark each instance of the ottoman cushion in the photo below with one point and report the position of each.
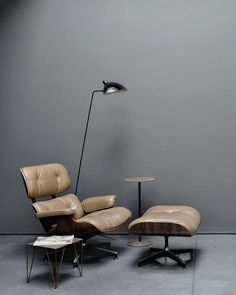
(167, 220)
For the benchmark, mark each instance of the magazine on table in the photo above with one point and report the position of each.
(54, 240)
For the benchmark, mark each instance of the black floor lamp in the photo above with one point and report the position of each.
(109, 88)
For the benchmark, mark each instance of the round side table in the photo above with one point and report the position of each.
(139, 180)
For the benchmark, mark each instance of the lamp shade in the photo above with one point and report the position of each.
(113, 87)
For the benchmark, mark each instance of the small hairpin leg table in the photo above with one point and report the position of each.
(55, 265)
(140, 242)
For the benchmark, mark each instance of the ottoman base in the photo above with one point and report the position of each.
(166, 252)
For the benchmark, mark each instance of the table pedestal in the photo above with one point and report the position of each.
(140, 242)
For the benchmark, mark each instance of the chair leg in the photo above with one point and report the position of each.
(104, 247)
(112, 252)
(174, 257)
(183, 251)
(155, 249)
(76, 259)
(151, 258)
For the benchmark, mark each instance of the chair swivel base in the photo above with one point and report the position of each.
(108, 251)
(105, 248)
(157, 253)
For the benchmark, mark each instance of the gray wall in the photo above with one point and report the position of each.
(176, 123)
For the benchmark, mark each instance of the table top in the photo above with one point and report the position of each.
(54, 246)
(139, 179)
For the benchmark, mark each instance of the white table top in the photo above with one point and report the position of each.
(75, 240)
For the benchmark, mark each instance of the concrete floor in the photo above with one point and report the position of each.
(212, 272)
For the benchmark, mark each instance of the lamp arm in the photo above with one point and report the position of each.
(84, 140)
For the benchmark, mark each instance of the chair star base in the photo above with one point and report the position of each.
(104, 248)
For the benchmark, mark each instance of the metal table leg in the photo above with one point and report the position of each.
(28, 271)
(55, 267)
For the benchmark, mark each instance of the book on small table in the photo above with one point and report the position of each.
(54, 240)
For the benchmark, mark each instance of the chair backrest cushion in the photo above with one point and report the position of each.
(45, 180)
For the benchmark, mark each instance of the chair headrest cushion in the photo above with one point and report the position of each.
(45, 180)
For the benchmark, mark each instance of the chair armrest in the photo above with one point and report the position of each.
(58, 212)
(98, 203)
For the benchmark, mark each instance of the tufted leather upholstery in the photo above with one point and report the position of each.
(61, 204)
(167, 220)
(108, 219)
(45, 180)
(103, 220)
(98, 203)
(66, 214)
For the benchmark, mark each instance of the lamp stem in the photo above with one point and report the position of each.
(84, 140)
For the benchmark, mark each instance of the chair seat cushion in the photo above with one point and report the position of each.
(167, 220)
(106, 220)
